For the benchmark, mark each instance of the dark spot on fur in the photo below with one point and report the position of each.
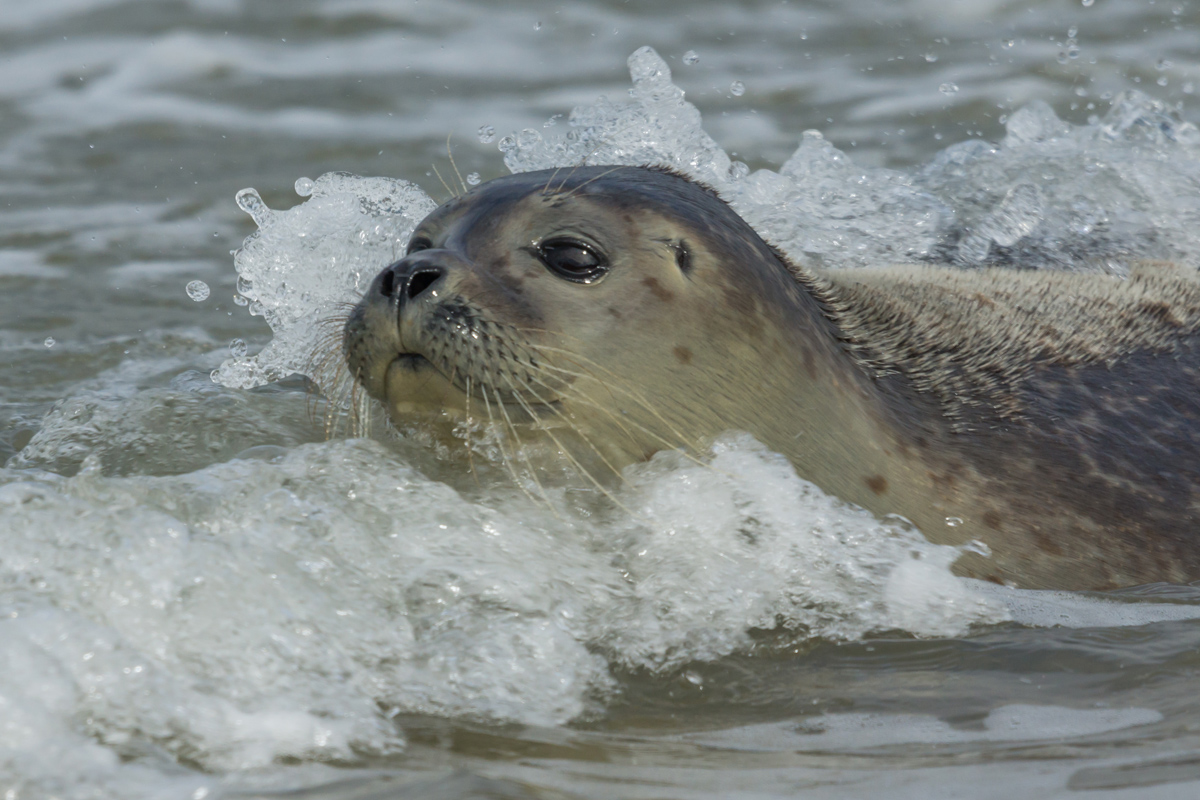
(1046, 544)
(876, 483)
(992, 520)
(1160, 311)
(658, 289)
(614, 311)
(994, 579)
(683, 354)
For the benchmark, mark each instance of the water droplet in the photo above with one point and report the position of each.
(1009, 42)
(198, 291)
(508, 144)
(487, 134)
(693, 677)
(931, 57)
(948, 88)
(1072, 52)
(738, 170)
(237, 348)
(49, 341)
(1189, 87)
(954, 522)
(473, 178)
(238, 300)
(1087, 3)
(1162, 80)
(304, 187)
(537, 27)
(1072, 32)
(249, 201)
(1162, 64)
(737, 88)
(978, 548)
(691, 57)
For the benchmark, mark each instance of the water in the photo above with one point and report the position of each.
(203, 596)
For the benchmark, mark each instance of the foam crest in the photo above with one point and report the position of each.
(304, 264)
(324, 588)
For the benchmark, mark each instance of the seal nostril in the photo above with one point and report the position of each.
(420, 281)
(388, 283)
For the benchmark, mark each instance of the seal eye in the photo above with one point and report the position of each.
(573, 260)
(418, 243)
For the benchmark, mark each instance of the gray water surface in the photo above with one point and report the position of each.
(202, 596)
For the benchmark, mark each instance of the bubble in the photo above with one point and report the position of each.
(948, 88)
(738, 170)
(49, 341)
(1163, 64)
(693, 677)
(198, 291)
(1162, 80)
(487, 134)
(978, 548)
(304, 186)
(1072, 52)
(473, 178)
(537, 27)
(1072, 32)
(691, 57)
(508, 144)
(1009, 42)
(1087, 3)
(931, 57)
(737, 88)
(237, 348)
(238, 300)
(954, 522)
(528, 138)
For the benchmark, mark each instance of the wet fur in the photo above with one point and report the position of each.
(1055, 416)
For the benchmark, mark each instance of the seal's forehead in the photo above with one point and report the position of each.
(620, 187)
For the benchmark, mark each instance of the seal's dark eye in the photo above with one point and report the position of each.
(418, 243)
(573, 260)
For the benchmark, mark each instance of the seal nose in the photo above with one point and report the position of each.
(408, 281)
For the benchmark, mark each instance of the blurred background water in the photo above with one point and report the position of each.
(201, 597)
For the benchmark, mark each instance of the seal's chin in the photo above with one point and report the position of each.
(413, 384)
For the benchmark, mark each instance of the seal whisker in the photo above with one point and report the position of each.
(453, 193)
(572, 193)
(450, 155)
(570, 423)
(582, 470)
(512, 470)
(683, 448)
(546, 188)
(582, 162)
(517, 449)
(467, 437)
(623, 389)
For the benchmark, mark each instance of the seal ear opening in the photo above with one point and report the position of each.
(683, 258)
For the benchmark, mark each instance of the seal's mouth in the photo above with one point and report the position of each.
(413, 362)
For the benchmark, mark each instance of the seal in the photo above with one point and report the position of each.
(620, 311)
